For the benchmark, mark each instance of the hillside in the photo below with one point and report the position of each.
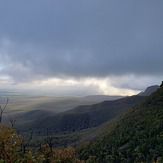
(21, 103)
(101, 98)
(82, 117)
(137, 137)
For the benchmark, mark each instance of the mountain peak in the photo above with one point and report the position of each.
(149, 90)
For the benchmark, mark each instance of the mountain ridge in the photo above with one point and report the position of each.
(149, 90)
(84, 117)
(136, 137)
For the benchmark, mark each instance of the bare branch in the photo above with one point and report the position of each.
(25, 144)
(12, 120)
(2, 109)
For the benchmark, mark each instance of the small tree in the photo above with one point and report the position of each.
(2, 109)
(49, 138)
(26, 141)
(12, 120)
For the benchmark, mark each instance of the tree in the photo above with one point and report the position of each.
(25, 143)
(2, 109)
(12, 120)
(49, 138)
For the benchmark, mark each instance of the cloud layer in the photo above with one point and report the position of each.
(81, 39)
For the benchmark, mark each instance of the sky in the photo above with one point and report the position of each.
(82, 47)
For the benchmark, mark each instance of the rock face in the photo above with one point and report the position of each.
(149, 90)
(161, 84)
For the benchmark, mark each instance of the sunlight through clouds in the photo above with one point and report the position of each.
(76, 86)
(81, 48)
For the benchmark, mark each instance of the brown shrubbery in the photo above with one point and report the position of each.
(11, 152)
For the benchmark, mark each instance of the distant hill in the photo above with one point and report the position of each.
(19, 102)
(83, 117)
(136, 136)
(34, 114)
(101, 98)
(149, 90)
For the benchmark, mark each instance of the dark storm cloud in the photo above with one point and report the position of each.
(80, 38)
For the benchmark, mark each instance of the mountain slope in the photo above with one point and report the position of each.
(149, 90)
(137, 137)
(101, 98)
(84, 117)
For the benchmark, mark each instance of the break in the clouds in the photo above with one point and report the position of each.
(114, 43)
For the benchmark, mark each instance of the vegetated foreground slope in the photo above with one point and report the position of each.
(138, 136)
(84, 117)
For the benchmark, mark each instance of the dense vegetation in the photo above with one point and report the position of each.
(138, 136)
(134, 136)
(12, 151)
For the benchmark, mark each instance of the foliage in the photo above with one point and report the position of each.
(11, 151)
(138, 136)
(10, 147)
(58, 155)
(9, 143)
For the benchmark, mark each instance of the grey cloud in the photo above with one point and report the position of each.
(81, 38)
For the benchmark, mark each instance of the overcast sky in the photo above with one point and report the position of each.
(81, 46)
